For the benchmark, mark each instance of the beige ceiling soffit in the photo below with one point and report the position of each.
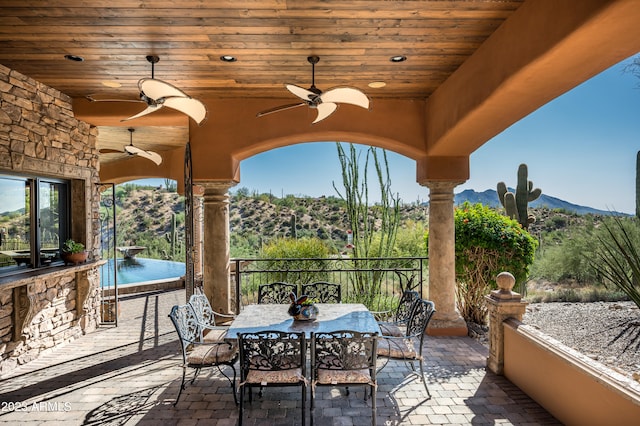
(520, 72)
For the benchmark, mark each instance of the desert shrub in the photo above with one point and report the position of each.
(581, 294)
(597, 294)
(568, 259)
(410, 240)
(565, 295)
(310, 252)
(244, 246)
(487, 243)
(556, 222)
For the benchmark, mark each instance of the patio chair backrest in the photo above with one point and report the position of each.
(344, 350)
(403, 311)
(323, 292)
(271, 351)
(202, 309)
(419, 319)
(184, 320)
(277, 292)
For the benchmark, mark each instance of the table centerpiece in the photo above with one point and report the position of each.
(302, 308)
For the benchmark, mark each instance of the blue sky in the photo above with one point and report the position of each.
(581, 148)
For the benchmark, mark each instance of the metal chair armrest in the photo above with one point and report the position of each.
(230, 317)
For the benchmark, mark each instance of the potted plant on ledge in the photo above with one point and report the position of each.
(73, 252)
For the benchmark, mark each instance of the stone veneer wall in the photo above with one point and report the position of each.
(40, 136)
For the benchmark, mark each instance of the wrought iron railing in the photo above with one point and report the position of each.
(376, 282)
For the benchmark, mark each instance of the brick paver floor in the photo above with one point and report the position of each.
(130, 375)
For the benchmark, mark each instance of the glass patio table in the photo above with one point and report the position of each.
(331, 317)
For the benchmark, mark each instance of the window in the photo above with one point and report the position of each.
(34, 222)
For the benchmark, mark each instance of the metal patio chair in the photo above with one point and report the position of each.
(323, 292)
(199, 354)
(398, 321)
(409, 347)
(344, 358)
(272, 358)
(208, 319)
(277, 292)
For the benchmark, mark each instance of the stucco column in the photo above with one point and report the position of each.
(216, 250)
(442, 274)
(502, 305)
(198, 234)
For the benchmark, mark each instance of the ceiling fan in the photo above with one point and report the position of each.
(158, 94)
(324, 102)
(134, 150)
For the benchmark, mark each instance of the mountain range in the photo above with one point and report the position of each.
(490, 198)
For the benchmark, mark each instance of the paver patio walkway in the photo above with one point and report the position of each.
(130, 375)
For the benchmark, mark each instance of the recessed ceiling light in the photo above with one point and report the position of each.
(377, 84)
(398, 58)
(112, 84)
(228, 58)
(74, 58)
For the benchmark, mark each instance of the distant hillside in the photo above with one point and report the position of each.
(146, 214)
(490, 198)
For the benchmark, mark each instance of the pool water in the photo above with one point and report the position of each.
(140, 269)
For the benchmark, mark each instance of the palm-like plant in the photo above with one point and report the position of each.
(617, 259)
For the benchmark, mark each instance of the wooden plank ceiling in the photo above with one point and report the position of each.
(270, 40)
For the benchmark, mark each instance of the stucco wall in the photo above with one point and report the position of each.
(574, 388)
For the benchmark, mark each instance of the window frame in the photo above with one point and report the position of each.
(34, 184)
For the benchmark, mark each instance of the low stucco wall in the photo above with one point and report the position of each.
(572, 387)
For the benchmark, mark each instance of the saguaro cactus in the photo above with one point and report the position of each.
(516, 205)
(172, 236)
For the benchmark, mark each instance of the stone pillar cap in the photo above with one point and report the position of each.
(505, 281)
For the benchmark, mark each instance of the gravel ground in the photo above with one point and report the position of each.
(608, 332)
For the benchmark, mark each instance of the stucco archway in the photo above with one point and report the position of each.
(216, 237)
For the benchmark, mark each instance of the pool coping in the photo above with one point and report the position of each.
(145, 286)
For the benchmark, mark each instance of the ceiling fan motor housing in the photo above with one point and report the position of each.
(325, 103)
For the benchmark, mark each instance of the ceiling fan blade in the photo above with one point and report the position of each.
(280, 108)
(346, 95)
(325, 109)
(189, 106)
(148, 110)
(93, 99)
(156, 89)
(149, 155)
(302, 93)
(153, 156)
(110, 151)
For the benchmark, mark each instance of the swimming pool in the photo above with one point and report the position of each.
(140, 269)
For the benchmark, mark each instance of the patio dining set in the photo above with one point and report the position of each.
(346, 344)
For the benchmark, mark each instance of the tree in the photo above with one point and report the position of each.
(487, 243)
(374, 227)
